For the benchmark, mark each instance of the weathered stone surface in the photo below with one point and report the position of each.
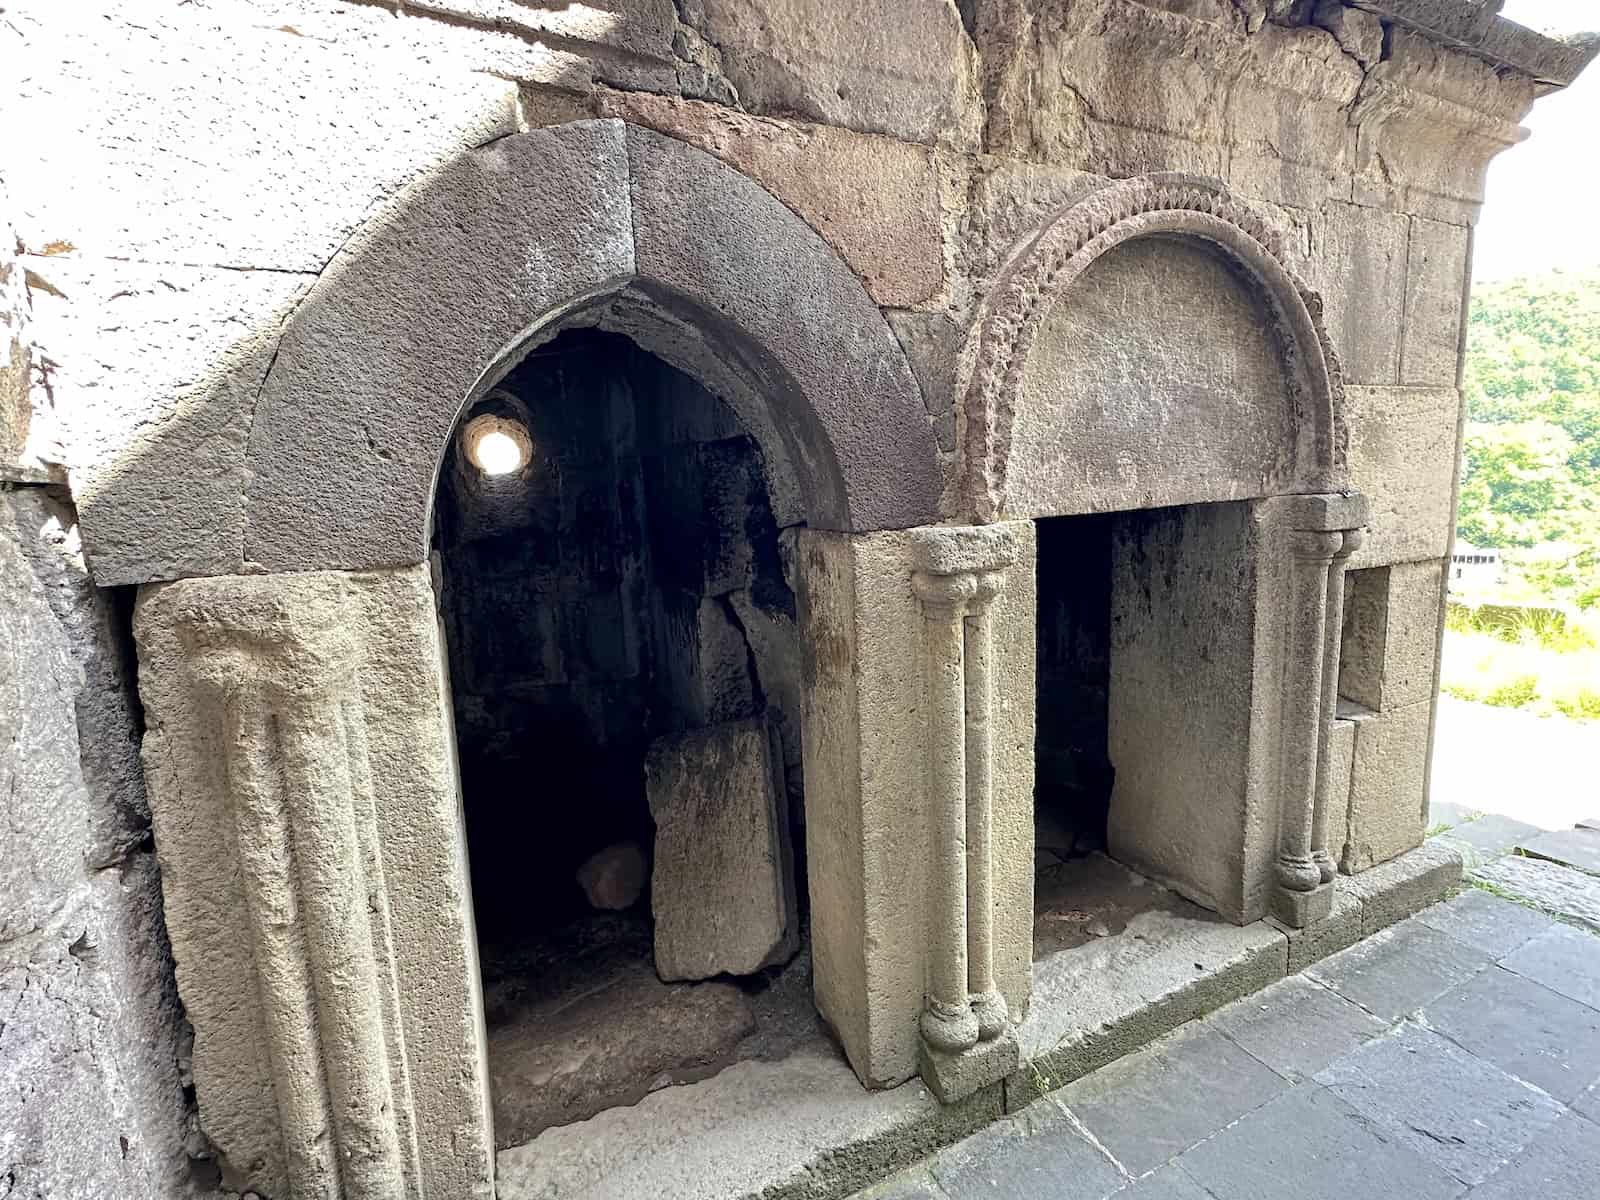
(91, 1095)
(900, 67)
(1096, 1003)
(1436, 279)
(25, 432)
(1394, 890)
(1186, 588)
(726, 246)
(613, 878)
(1391, 630)
(1572, 895)
(1487, 837)
(1388, 779)
(1403, 459)
(554, 1064)
(1579, 848)
(1485, 921)
(873, 199)
(159, 364)
(1315, 941)
(1036, 1153)
(709, 240)
(1154, 1105)
(105, 118)
(1312, 1137)
(1562, 959)
(1456, 1111)
(722, 889)
(1297, 1026)
(1560, 1164)
(866, 769)
(953, 1077)
(789, 1130)
(1398, 970)
(1183, 405)
(1428, 121)
(1358, 264)
(1524, 1029)
(363, 652)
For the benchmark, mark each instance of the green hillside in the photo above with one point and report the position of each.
(1532, 473)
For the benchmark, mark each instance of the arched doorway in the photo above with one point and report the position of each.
(625, 674)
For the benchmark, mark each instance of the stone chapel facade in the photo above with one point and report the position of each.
(934, 426)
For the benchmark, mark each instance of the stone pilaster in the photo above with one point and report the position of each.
(967, 1040)
(1313, 537)
(280, 709)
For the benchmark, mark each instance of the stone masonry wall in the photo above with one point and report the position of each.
(179, 175)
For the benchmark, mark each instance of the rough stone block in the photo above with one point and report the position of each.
(953, 1077)
(1578, 848)
(873, 199)
(1358, 265)
(91, 1100)
(1298, 910)
(1388, 781)
(1571, 895)
(1436, 283)
(1316, 940)
(614, 877)
(1394, 890)
(1403, 459)
(789, 1130)
(901, 67)
(722, 889)
(1391, 630)
(1455, 1110)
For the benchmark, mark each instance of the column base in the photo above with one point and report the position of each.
(1299, 909)
(953, 1076)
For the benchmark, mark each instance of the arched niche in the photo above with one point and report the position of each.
(594, 222)
(1149, 347)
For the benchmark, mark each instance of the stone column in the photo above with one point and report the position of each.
(967, 1041)
(917, 703)
(280, 671)
(1312, 535)
(1333, 632)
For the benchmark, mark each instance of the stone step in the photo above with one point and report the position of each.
(1577, 848)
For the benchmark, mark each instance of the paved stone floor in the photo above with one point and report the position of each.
(1455, 1054)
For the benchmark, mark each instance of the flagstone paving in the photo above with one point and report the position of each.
(1454, 1055)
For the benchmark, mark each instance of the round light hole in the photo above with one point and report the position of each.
(497, 446)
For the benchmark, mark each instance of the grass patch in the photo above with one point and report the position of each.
(1547, 663)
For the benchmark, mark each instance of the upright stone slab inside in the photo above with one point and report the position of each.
(723, 890)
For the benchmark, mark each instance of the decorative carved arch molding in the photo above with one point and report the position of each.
(595, 222)
(1162, 206)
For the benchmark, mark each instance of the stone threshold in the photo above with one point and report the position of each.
(804, 1129)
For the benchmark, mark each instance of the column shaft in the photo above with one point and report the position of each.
(1333, 631)
(947, 1023)
(988, 1006)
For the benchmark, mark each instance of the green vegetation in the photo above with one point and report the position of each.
(1531, 479)
(1545, 661)
(1530, 487)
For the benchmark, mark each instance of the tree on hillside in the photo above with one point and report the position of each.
(1532, 455)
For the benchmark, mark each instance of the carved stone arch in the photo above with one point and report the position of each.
(594, 222)
(1166, 205)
